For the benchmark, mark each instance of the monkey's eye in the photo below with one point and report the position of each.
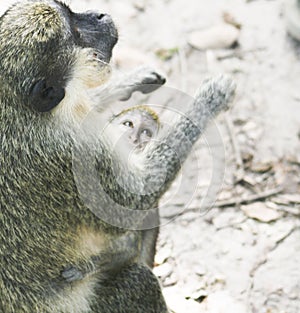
(147, 132)
(128, 124)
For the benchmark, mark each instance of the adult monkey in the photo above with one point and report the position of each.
(53, 64)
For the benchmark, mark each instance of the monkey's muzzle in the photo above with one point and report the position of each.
(97, 31)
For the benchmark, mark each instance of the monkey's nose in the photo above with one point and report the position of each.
(101, 16)
(134, 139)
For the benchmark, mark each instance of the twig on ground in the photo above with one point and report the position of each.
(234, 202)
(264, 258)
(248, 199)
(183, 68)
(237, 53)
(240, 171)
(292, 211)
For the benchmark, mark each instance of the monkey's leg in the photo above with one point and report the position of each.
(149, 238)
(143, 79)
(133, 290)
(140, 245)
(122, 251)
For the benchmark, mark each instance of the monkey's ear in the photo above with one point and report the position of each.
(44, 98)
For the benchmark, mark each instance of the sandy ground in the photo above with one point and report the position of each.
(243, 253)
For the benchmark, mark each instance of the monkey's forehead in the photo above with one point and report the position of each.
(34, 21)
(142, 110)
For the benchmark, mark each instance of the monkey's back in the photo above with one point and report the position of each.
(44, 225)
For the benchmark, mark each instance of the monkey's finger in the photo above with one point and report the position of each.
(153, 81)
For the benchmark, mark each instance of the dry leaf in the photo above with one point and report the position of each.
(163, 270)
(292, 198)
(259, 211)
(177, 302)
(222, 302)
(261, 167)
(162, 255)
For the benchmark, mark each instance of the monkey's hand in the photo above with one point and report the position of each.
(215, 95)
(144, 80)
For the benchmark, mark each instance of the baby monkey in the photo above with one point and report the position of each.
(137, 125)
(130, 131)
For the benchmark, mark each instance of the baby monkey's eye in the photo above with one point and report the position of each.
(128, 124)
(146, 132)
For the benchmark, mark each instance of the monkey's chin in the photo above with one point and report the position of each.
(104, 75)
(140, 147)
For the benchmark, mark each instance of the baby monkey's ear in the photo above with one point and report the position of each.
(44, 97)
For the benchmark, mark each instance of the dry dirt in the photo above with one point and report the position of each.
(243, 253)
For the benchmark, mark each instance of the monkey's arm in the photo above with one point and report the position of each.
(165, 159)
(143, 79)
(138, 189)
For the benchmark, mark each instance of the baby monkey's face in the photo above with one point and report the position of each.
(137, 126)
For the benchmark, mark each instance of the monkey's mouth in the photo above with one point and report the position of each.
(140, 147)
(101, 36)
(101, 58)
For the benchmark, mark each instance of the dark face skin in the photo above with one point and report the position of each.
(88, 30)
(94, 30)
